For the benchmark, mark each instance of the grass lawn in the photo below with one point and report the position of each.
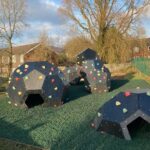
(68, 127)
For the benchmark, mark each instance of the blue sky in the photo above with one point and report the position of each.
(43, 15)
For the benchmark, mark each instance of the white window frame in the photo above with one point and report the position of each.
(14, 58)
(21, 58)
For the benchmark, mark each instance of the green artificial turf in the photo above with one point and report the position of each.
(68, 127)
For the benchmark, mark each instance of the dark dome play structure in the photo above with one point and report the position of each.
(124, 114)
(72, 74)
(91, 69)
(35, 83)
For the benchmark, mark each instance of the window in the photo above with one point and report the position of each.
(14, 58)
(5, 59)
(22, 58)
(136, 49)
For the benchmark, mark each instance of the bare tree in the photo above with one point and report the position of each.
(46, 52)
(11, 21)
(76, 44)
(96, 17)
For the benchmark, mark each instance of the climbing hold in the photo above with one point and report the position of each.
(40, 77)
(53, 80)
(26, 78)
(17, 79)
(9, 102)
(18, 70)
(43, 67)
(16, 104)
(98, 114)
(127, 94)
(26, 66)
(14, 88)
(148, 93)
(19, 93)
(56, 88)
(125, 110)
(118, 103)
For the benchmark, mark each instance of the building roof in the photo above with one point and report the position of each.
(24, 49)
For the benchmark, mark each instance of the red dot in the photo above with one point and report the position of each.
(17, 79)
(53, 80)
(127, 93)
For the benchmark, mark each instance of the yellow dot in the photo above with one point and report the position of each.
(18, 70)
(40, 77)
(19, 93)
(118, 103)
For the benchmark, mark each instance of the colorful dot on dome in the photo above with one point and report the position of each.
(19, 93)
(127, 93)
(56, 88)
(53, 80)
(98, 114)
(94, 78)
(9, 102)
(43, 67)
(14, 88)
(40, 77)
(92, 124)
(26, 77)
(50, 96)
(118, 103)
(17, 79)
(18, 70)
(25, 70)
(50, 73)
(26, 66)
(52, 69)
(125, 110)
(148, 93)
(21, 73)
(99, 74)
(138, 88)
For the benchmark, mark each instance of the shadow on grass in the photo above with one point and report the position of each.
(12, 132)
(77, 91)
(119, 81)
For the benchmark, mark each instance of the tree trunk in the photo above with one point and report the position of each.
(10, 66)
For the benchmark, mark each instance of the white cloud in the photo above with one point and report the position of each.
(43, 15)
